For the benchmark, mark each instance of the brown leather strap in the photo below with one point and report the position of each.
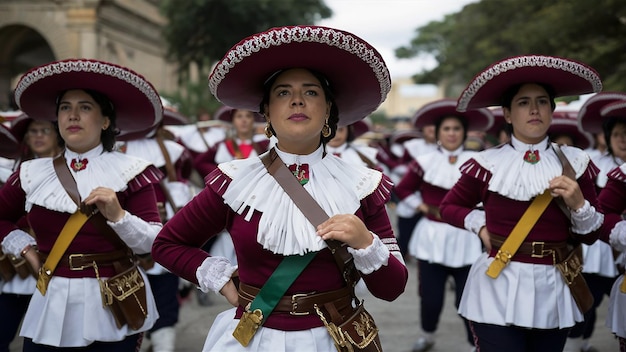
(76, 261)
(300, 304)
(169, 167)
(568, 171)
(433, 210)
(370, 164)
(311, 210)
(557, 250)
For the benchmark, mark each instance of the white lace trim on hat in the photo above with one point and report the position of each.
(338, 187)
(286, 35)
(437, 168)
(89, 66)
(527, 61)
(42, 186)
(517, 179)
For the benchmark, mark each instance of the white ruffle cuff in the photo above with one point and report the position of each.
(136, 232)
(475, 220)
(586, 219)
(617, 238)
(214, 273)
(15, 242)
(372, 257)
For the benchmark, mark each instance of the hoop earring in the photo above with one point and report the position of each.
(326, 131)
(268, 130)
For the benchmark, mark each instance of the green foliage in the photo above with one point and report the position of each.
(193, 98)
(484, 32)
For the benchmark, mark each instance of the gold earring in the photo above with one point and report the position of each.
(268, 130)
(326, 130)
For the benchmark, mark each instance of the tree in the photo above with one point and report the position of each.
(484, 32)
(200, 32)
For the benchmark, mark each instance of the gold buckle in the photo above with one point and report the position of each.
(294, 304)
(504, 256)
(540, 252)
(71, 262)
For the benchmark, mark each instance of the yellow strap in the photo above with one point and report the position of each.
(622, 287)
(519, 233)
(69, 231)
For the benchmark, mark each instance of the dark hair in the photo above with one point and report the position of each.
(107, 136)
(440, 120)
(607, 127)
(507, 97)
(333, 117)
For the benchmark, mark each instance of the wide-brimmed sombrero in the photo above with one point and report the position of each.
(136, 102)
(19, 125)
(614, 110)
(172, 117)
(566, 77)
(565, 123)
(589, 117)
(477, 119)
(225, 113)
(361, 127)
(356, 72)
(9, 145)
(401, 136)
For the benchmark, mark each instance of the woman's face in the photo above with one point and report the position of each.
(450, 133)
(243, 122)
(41, 139)
(618, 140)
(530, 114)
(428, 133)
(297, 110)
(341, 136)
(80, 121)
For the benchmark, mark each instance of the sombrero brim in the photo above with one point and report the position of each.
(9, 146)
(477, 119)
(173, 118)
(356, 72)
(615, 109)
(567, 77)
(19, 126)
(569, 127)
(137, 104)
(402, 136)
(225, 113)
(589, 117)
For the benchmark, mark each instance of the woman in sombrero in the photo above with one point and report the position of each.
(343, 146)
(111, 192)
(302, 79)
(442, 250)
(516, 298)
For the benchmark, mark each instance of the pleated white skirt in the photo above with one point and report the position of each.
(616, 319)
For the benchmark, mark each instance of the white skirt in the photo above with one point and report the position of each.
(442, 243)
(616, 319)
(19, 286)
(71, 314)
(220, 338)
(598, 259)
(524, 295)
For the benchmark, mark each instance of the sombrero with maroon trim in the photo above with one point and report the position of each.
(614, 110)
(136, 102)
(567, 77)
(565, 123)
(477, 119)
(225, 113)
(9, 145)
(19, 126)
(589, 117)
(356, 72)
(401, 136)
(171, 117)
(361, 127)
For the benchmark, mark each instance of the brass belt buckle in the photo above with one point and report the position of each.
(294, 304)
(80, 267)
(503, 256)
(540, 252)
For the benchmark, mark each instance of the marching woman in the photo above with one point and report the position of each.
(343, 146)
(599, 270)
(302, 78)
(90, 208)
(612, 199)
(441, 250)
(517, 296)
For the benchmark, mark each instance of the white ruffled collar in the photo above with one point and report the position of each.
(42, 186)
(439, 171)
(606, 163)
(517, 179)
(148, 148)
(337, 150)
(337, 186)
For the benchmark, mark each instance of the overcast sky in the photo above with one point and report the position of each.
(389, 24)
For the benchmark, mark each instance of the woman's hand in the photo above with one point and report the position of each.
(347, 228)
(568, 189)
(485, 237)
(106, 201)
(230, 292)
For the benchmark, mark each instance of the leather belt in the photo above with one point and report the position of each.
(301, 303)
(536, 249)
(120, 259)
